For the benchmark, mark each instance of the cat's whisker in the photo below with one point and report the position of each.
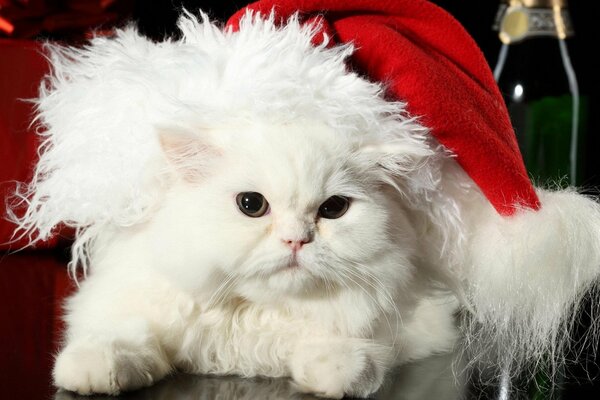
(227, 292)
(231, 279)
(329, 286)
(381, 290)
(218, 294)
(381, 286)
(374, 302)
(347, 274)
(327, 283)
(393, 333)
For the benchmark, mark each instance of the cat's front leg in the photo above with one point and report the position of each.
(336, 367)
(125, 358)
(121, 334)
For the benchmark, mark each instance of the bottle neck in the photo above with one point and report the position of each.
(515, 23)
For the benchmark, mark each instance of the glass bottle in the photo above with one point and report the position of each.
(539, 86)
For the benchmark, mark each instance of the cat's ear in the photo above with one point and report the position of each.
(401, 161)
(399, 156)
(188, 152)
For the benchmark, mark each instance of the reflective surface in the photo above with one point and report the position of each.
(426, 380)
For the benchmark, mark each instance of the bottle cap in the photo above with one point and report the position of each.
(537, 3)
(521, 19)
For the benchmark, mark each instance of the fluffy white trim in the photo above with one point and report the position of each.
(103, 106)
(527, 276)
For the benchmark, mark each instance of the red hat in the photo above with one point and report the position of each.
(427, 59)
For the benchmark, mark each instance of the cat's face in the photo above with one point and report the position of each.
(289, 210)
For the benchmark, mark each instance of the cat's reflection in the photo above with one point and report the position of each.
(432, 378)
(182, 386)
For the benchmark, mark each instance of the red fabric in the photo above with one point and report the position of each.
(22, 67)
(426, 58)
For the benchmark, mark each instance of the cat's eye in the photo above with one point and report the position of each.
(252, 204)
(334, 207)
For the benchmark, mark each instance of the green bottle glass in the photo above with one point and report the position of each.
(539, 86)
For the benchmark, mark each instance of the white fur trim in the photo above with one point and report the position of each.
(528, 273)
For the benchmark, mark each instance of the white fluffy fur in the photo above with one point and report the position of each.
(146, 146)
(528, 274)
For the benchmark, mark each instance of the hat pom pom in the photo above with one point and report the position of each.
(528, 274)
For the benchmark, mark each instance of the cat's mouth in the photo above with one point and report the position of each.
(295, 275)
(292, 263)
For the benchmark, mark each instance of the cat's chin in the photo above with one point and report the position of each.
(291, 281)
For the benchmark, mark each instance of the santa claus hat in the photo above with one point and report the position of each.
(425, 58)
(526, 268)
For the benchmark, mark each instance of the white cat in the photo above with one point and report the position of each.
(246, 205)
(286, 255)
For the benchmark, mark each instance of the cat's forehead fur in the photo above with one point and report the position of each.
(295, 164)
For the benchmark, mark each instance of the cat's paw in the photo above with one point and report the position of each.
(88, 368)
(85, 371)
(333, 369)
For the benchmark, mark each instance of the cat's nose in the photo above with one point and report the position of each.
(296, 245)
